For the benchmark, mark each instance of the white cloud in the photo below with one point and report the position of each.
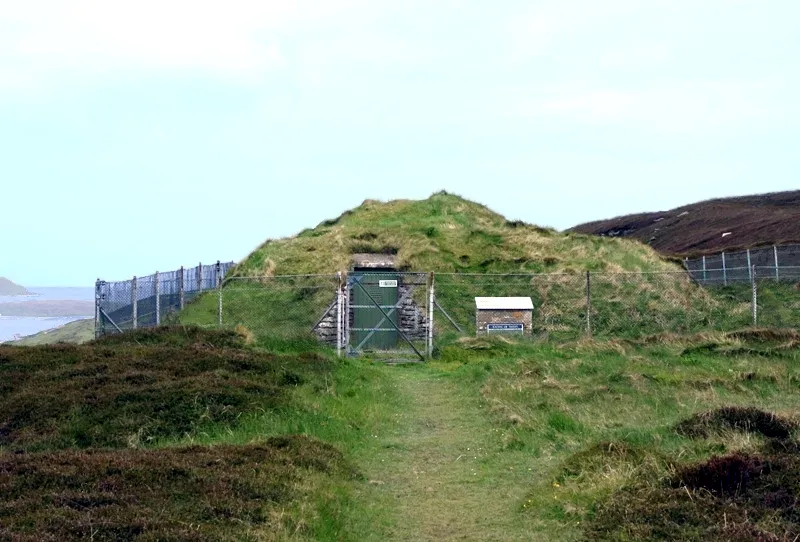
(675, 107)
(43, 40)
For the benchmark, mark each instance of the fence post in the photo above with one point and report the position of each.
(158, 299)
(754, 301)
(181, 292)
(431, 299)
(588, 304)
(135, 302)
(97, 309)
(219, 297)
(724, 271)
(346, 313)
(749, 265)
(199, 277)
(705, 276)
(777, 274)
(339, 316)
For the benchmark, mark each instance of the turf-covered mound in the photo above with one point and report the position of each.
(194, 493)
(445, 233)
(286, 285)
(135, 388)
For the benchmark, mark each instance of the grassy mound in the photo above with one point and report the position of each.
(467, 245)
(444, 233)
(132, 389)
(191, 493)
(738, 496)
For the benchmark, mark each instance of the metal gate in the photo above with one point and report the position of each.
(389, 314)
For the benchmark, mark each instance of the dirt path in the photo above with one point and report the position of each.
(443, 473)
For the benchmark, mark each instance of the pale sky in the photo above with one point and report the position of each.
(142, 136)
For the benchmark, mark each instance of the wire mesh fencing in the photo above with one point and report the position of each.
(400, 315)
(631, 305)
(783, 263)
(301, 307)
(559, 301)
(152, 300)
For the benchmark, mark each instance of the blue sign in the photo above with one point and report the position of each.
(505, 328)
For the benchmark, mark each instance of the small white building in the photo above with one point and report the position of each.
(503, 315)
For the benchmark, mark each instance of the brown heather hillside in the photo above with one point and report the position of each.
(697, 229)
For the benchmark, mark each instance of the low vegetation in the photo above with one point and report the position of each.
(77, 332)
(669, 438)
(188, 493)
(204, 434)
(123, 390)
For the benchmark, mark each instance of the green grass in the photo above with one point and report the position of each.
(77, 332)
(466, 244)
(444, 233)
(634, 292)
(493, 440)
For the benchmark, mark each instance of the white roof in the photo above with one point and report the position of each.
(504, 303)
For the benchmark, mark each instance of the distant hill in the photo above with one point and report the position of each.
(9, 288)
(37, 308)
(710, 226)
(78, 332)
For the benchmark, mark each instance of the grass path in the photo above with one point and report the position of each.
(441, 473)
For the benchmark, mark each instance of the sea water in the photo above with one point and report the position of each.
(12, 327)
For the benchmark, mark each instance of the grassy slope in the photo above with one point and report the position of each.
(448, 234)
(77, 332)
(696, 229)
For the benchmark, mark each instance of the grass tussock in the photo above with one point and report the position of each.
(132, 389)
(747, 419)
(738, 496)
(190, 493)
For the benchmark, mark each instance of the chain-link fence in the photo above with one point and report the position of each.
(778, 262)
(152, 300)
(400, 315)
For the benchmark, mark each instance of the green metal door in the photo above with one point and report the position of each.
(371, 329)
